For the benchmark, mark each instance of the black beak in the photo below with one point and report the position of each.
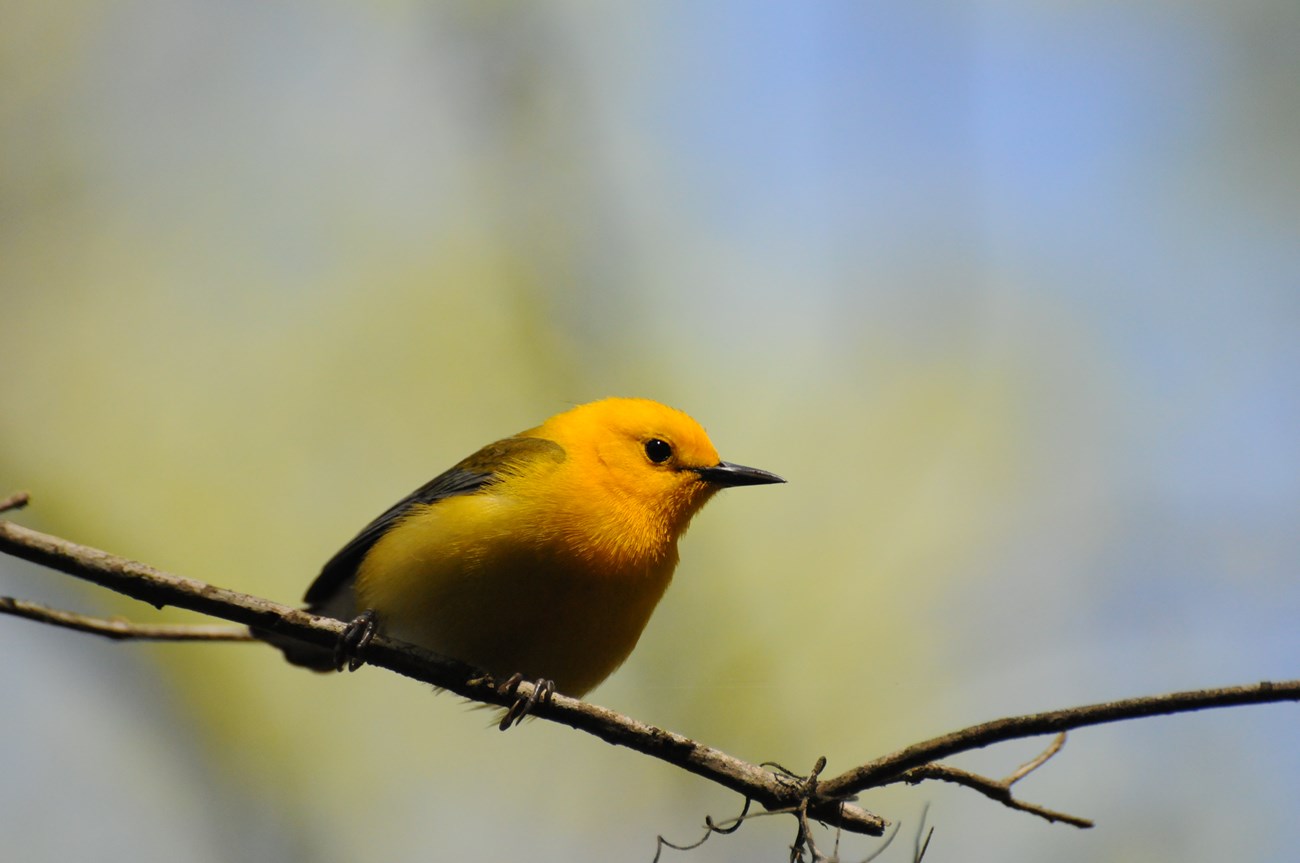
(727, 474)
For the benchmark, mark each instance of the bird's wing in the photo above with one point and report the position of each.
(480, 471)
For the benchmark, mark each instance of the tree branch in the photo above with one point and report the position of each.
(889, 767)
(161, 589)
(123, 630)
(825, 800)
(998, 789)
(17, 500)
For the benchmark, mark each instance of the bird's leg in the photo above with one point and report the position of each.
(351, 646)
(543, 689)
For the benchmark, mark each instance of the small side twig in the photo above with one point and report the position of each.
(807, 793)
(999, 789)
(123, 630)
(17, 500)
(1036, 762)
(887, 768)
(919, 846)
(710, 827)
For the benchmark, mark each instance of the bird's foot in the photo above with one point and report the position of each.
(543, 689)
(350, 649)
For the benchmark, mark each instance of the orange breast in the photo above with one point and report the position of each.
(479, 579)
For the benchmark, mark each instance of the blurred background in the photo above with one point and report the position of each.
(1010, 293)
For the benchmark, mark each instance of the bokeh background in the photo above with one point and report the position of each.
(1009, 291)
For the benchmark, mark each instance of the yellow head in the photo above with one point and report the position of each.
(641, 470)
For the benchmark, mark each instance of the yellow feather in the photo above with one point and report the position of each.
(551, 565)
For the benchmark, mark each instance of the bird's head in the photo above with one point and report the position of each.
(645, 461)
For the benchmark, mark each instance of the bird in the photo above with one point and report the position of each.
(541, 556)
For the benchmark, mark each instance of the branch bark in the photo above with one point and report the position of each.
(889, 767)
(162, 589)
(122, 630)
(824, 800)
(998, 789)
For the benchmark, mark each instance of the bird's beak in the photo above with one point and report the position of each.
(727, 474)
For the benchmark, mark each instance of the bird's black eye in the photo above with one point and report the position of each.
(658, 451)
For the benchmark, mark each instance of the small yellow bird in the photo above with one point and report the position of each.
(541, 556)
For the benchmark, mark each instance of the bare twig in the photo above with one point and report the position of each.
(123, 630)
(17, 500)
(1036, 762)
(991, 788)
(826, 801)
(160, 589)
(998, 789)
(807, 793)
(920, 847)
(709, 829)
(886, 768)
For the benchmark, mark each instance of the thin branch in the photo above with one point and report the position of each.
(17, 500)
(710, 827)
(919, 847)
(821, 800)
(123, 630)
(804, 838)
(887, 768)
(998, 789)
(991, 788)
(1058, 742)
(161, 589)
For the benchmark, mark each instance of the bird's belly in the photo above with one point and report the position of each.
(507, 605)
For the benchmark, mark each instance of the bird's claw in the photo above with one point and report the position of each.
(543, 690)
(349, 650)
